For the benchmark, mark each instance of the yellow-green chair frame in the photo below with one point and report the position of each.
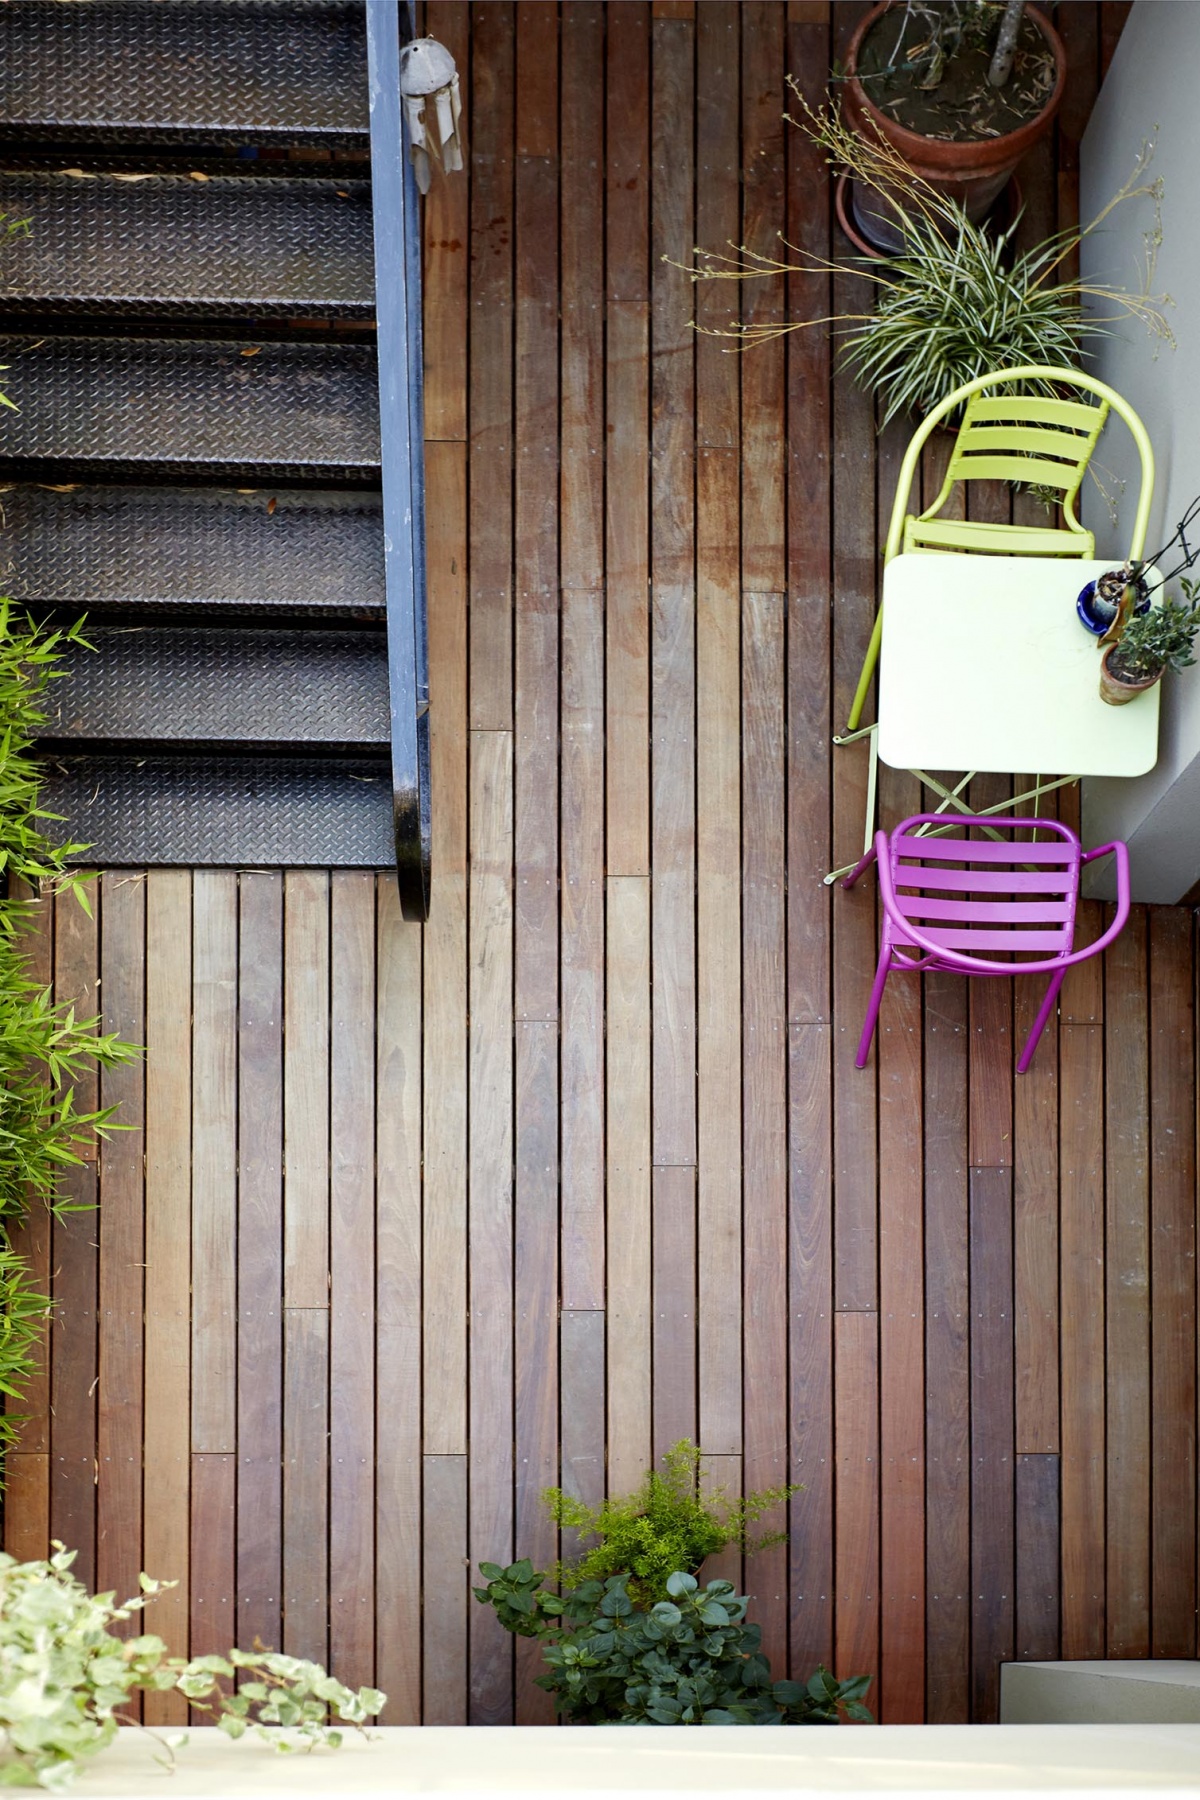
(1037, 438)
(1011, 437)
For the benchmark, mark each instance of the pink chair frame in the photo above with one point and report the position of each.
(1016, 922)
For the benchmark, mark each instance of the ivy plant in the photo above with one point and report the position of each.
(667, 1525)
(65, 1676)
(689, 1659)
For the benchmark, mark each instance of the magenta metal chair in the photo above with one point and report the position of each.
(945, 899)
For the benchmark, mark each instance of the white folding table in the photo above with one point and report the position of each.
(985, 666)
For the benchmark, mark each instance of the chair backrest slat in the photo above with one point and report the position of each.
(969, 881)
(1039, 409)
(962, 850)
(953, 938)
(1000, 912)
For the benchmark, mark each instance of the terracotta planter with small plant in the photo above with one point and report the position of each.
(1140, 648)
(924, 79)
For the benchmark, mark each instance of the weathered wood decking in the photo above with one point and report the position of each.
(415, 1223)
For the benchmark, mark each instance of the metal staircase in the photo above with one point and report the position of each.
(197, 460)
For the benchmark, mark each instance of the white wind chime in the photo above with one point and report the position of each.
(432, 107)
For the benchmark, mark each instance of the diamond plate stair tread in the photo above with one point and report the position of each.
(246, 71)
(220, 690)
(155, 407)
(240, 248)
(224, 812)
(175, 550)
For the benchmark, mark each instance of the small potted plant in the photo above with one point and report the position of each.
(1105, 604)
(962, 90)
(1148, 645)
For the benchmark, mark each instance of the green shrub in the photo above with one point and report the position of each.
(690, 1659)
(665, 1526)
(43, 1047)
(64, 1677)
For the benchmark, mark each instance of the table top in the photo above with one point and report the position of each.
(985, 665)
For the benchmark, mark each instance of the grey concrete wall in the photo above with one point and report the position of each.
(1153, 82)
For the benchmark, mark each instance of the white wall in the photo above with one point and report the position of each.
(1154, 81)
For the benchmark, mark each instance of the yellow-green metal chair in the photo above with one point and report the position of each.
(1033, 438)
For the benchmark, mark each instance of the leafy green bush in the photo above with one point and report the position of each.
(690, 1659)
(43, 1047)
(64, 1677)
(1160, 639)
(665, 1526)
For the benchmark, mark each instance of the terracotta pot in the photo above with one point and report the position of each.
(972, 173)
(1120, 693)
(846, 207)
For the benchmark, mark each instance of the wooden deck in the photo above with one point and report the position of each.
(414, 1223)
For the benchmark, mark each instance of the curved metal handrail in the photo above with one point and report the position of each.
(397, 216)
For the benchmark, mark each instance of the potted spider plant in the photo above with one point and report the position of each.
(1142, 647)
(962, 90)
(956, 302)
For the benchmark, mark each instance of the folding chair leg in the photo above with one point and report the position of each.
(1039, 1024)
(868, 1030)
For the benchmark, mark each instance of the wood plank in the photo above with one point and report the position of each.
(718, 947)
(306, 1482)
(214, 1151)
(581, 1408)
(855, 943)
(1113, 14)
(581, 297)
(627, 172)
(810, 1274)
(581, 952)
(535, 1334)
(993, 1444)
(74, 1347)
(808, 436)
(536, 400)
(627, 570)
(491, 1209)
(764, 1082)
(672, 629)
(397, 1308)
(260, 1258)
(447, 234)
(1172, 1283)
(166, 1449)
(212, 1559)
(764, 553)
(1127, 1292)
(490, 365)
(718, 75)
(352, 1411)
(673, 1303)
(627, 1212)
(902, 1361)
(122, 1243)
(856, 1386)
(27, 1505)
(443, 1555)
(947, 1394)
(1082, 1300)
(1035, 1230)
(1037, 1542)
(26, 1510)
(306, 1088)
(1079, 29)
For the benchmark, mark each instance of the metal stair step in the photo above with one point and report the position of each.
(253, 691)
(228, 812)
(240, 248)
(184, 71)
(203, 410)
(192, 552)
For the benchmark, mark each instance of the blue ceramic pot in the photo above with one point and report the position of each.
(1097, 614)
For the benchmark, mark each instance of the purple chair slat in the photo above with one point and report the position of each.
(944, 849)
(968, 881)
(965, 924)
(916, 906)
